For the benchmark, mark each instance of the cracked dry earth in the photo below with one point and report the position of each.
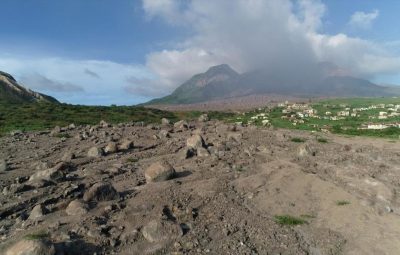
(203, 187)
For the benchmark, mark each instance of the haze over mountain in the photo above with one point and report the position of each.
(11, 91)
(219, 82)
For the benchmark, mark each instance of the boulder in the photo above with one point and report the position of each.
(181, 125)
(104, 124)
(31, 247)
(56, 173)
(165, 121)
(111, 148)
(159, 171)
(95, 152)
(234, 136)
(161, 231)
(56, 130)
(305, 150)
(203, 118)
(125, 145)
(163, 133)
(101, 191)
(195, 142)
(37, 212)
(68, 156)
(202, 152)
(76, 208)
(3, 165)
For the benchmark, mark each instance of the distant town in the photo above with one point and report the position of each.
(326, 115)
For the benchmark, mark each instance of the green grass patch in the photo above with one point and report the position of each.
(288, 220)
(37, 236)
(297, 140)
(342, 202)
(132, 160)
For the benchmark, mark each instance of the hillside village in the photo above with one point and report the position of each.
(324, 116)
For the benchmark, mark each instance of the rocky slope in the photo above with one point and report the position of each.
(222, 82)
(11, 91)
(202, 187)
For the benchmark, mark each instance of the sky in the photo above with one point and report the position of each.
(125, 52)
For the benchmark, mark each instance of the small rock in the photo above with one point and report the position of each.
(160, 231)
(104, 124)
(125, 145)
(195, 142)
(165, 121)
(95, 152)
(234, 136)
(163, 133)
(37, 212)
(56, 130)
(3, 165)
(32, 247)
(181, 125)
(56, 173)
(111, 148)
(101, 192)
(203, 118)
(68, 156)
(159, 172)
(202, 152)
(305, 150)
(76, 208)
(71, 126)
(186, 153)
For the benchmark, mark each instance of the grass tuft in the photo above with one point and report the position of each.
(289, 220)
(342, 202)
(37, 236)
(322, 140)
(297, 140)
(132, 160)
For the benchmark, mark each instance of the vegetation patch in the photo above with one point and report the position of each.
(297, 140)
(322, 140)
(342, 202)
(132, 160)
(37, 236)
(289, 220)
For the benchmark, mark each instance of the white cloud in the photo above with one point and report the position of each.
(363, 20)
(282, 36)
(69, 81)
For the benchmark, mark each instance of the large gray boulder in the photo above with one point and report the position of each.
(95, 152)
(3, 165)
(31, 247)
(195, 142)
(101, 191)
(159, 171)
(76, 208)
(161, 231)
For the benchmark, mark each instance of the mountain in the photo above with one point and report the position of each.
(221, 82)
(11, 91)
(202, 87)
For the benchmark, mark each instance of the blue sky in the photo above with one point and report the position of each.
(129, 51)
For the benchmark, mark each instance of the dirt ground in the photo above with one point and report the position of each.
(223, 199)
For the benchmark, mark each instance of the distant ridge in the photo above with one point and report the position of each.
(222, 82)
(11, 91)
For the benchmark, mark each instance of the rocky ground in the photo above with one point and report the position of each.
(202, 187)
